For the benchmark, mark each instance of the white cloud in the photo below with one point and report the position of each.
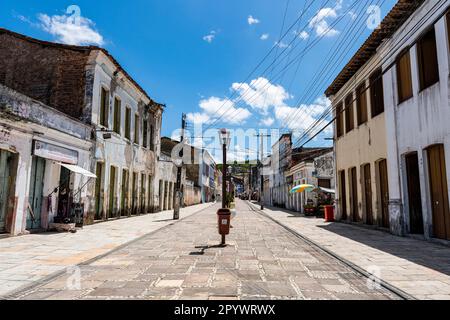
(197, 117)
(264, 97)
(320, 24)
(214, 108)
(210, 37)
(302, 35)
(281, 44)
(264, 36)
(267, 121)
(353, 15)
(252, 20)
(66, 29)
(260, 94)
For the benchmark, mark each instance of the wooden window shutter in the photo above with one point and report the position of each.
(376, 93)
(349, 113)
(339, 120)
(404, 79)
(428, 61)
(361, 103)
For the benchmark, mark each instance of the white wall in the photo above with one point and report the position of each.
(421, 121)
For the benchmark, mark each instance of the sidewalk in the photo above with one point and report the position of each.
(419, 268)
(30, 258)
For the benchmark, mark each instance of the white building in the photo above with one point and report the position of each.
(88, 84)
(399, 157)
(44, 163)
(416, 84)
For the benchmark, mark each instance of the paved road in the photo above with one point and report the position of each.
(183, 261)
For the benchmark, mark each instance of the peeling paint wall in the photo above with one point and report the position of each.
(421, 121)
(118, 151)
(365, 144)
(23, 121)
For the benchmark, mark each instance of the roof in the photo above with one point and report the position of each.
(402, 10)
(308, 154)
(80, 48)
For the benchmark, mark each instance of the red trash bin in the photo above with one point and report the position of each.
(329, 213)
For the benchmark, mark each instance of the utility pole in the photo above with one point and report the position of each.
(176, 207)
(261, 188)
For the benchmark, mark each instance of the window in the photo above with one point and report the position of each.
(145, 133)
(136, 129)
(117, 115)
(448, 28)
(404, 80)
(339, 121)
(324, 183)
(376, 93)
(104, 105)
(152, 138)
(361, 103)
(427, 59)
(128, 123)
(349, 114)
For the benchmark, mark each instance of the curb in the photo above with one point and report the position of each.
(402, 294)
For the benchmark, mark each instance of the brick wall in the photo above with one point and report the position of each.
(52, 74)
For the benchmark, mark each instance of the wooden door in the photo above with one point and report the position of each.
(354, 195)
(384, 193)
(35, 193)
(112, 192)
(368, 194)
(343, 196)
(5, 184)
(98, 192)
(124, 195)
(414, 194)
(439, 192)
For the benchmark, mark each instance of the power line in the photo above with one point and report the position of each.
(405, 38)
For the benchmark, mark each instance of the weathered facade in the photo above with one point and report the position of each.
(417, 121)
(406, 63)
(41, 153)
(88, 84)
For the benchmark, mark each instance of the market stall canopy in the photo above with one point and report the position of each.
(79, 170)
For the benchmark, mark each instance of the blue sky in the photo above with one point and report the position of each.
(189, 54)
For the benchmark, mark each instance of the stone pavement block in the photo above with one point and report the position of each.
(266, 268)
(169, 283)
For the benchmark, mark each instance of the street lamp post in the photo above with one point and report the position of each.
(225, 140)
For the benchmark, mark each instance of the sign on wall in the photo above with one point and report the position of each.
(53, 152)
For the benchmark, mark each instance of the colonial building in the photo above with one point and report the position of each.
(395, 153)
(88, 84)
(309, 166)
(45, 158)
(416, 77)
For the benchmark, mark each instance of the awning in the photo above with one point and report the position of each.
(326, 190)
(79, 170)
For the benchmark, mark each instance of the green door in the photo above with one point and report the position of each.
(35, 194)
(5, 184)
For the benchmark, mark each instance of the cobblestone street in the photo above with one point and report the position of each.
(182, 261)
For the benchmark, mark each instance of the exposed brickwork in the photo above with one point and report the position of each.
(54, 75)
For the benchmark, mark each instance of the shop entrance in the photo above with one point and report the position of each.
(7, 182)
(34, 206)
(439, 192)
(64, 196)
(414, 194)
